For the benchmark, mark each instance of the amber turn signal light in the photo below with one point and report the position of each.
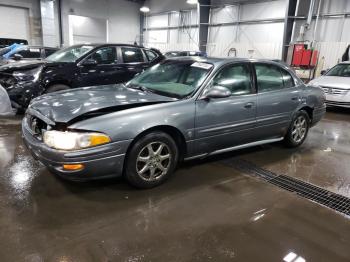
(73, 167)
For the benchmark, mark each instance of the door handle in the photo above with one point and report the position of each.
(248, 105)
(295, 98)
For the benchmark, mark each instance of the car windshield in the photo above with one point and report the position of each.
(340, 70)
(172, 78)
(69, 54)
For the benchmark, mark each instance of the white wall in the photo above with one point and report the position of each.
(123, 17)
(33, 8)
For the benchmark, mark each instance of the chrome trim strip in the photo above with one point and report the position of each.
(227, 126)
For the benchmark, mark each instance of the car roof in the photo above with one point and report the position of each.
(218, 61)
(108, 44)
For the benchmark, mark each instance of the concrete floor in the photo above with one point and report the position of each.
(208, 211)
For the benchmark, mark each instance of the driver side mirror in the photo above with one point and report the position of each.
(217, 92)
(17, 57)
(90, 62)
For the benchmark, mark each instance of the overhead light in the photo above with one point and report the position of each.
(144, 9)
(192, 2)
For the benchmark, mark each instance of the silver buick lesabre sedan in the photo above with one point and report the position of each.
(336, 85)
(180, 109)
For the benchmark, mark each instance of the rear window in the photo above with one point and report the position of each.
(132, 55)
(150, 55)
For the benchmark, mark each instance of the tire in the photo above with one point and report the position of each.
(57, 87)
(148, 164)
(298, 130)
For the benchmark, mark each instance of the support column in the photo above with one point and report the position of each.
(288, 27)
(203, 27)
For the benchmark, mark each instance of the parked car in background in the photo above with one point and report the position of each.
(181, 108)
(336, 85)
(75, 66)
(185, 53)
(4, 42)
(25, 52)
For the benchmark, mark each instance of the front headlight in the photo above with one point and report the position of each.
(28, 75)
(74, 140)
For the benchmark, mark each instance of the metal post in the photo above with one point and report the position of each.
(203, 23)
(288, 27)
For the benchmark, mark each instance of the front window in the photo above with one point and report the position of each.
(70, 54)
(340, 70)
(173, 78)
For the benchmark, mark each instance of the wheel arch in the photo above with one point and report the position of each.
(309, 110)
(172, 131)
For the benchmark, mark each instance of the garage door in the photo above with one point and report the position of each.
(84, 29)
(14, 22)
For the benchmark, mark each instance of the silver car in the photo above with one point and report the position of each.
(336, 85)
(180, 109)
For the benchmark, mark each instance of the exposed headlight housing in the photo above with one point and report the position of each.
(28, 75)
(74, 140)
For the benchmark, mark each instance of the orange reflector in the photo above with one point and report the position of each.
(73, 167)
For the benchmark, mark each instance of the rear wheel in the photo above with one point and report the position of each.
(298, 130)
(57, 87)
(151, 160)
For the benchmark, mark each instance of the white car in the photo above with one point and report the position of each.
(336, 85)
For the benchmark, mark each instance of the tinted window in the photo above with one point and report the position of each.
(150, 55)
(287, 79)
(269, 77)
(30, 53)
(49, 51)
(236, 78)
(105, 55)
(132, 55)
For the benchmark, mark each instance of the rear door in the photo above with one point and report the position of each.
(133, 61)
(225, 122)
(105, 70)
(278, 98)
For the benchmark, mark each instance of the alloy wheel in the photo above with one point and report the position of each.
(299, 129)
(153, 161)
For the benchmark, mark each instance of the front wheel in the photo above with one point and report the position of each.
(151, 160)
(298, 129)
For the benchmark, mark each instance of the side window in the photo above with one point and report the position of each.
(132, 55)
(105, 55)
(237, 78)
(287, 79)
(269, 77)
(150, 55)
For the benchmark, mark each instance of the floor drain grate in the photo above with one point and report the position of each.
(319, 195)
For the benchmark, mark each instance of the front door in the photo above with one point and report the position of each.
(279, 96)
(100, 68)
(226, 122)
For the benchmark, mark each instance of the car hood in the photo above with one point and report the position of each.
(27, 65)
(82, 103)
(332, 81)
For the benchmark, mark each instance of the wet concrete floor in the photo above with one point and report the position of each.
(207, 212)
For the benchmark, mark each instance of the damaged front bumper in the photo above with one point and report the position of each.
(99, 162)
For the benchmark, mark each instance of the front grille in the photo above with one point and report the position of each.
(7, 80)
(309, 191)
(334, 91)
